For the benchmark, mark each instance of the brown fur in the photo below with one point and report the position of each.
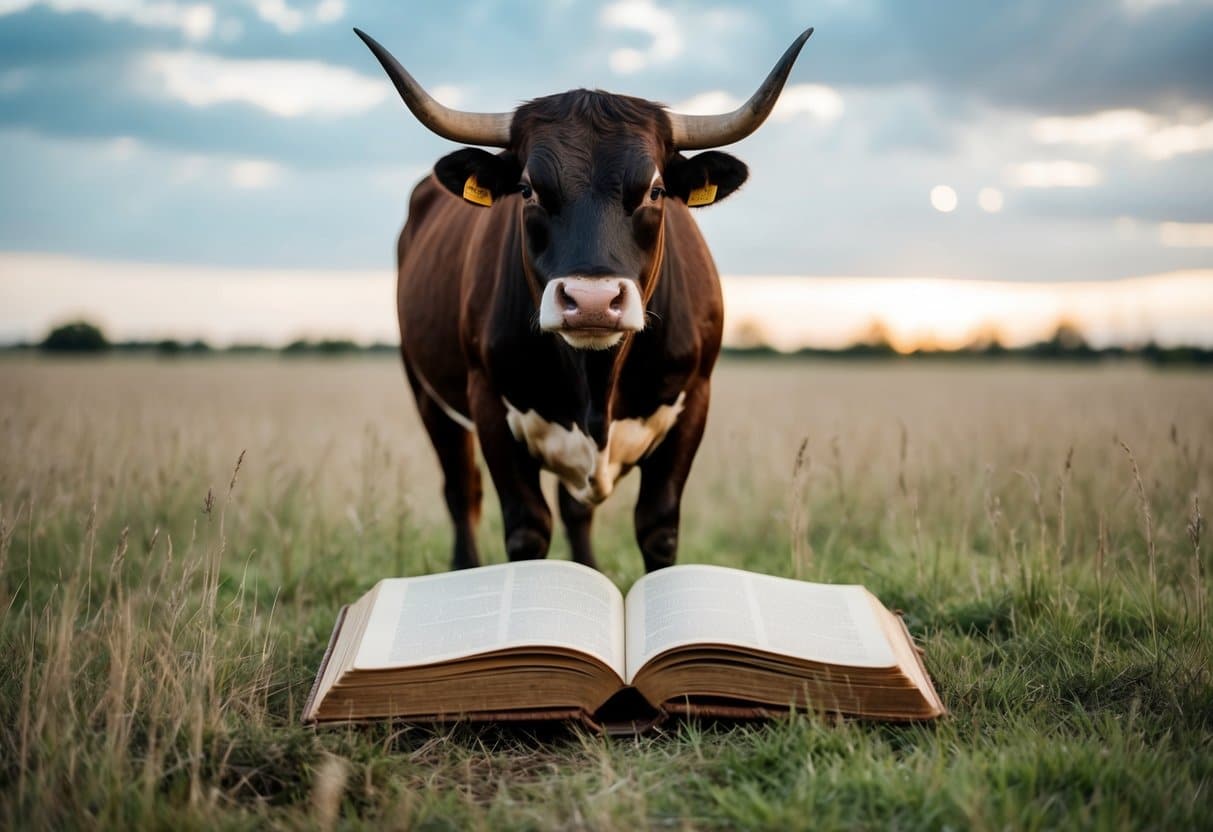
(468, 336)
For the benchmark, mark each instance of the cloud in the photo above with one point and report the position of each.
(625, 61)
(449, 95)
(1148, 134)
(329, 11)
(196, 21)
(284, 88)
(279, 14)
(289, 19)
(1100, 128)
(254, 174)
(708, 103)
(185, 169)
(1058, 173)
(190, 168)
(1179, 138)
(646, 17)
(226, 208)
(1186, 234)
(821, 103)
(1071, 57)
(122, 148)
(668, 31)
(905, 99)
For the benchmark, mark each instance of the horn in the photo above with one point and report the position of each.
(699, 132)
(486, 129)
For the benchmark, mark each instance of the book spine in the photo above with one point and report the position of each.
(324, 663)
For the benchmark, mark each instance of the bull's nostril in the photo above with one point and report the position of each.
(565, 299)
(617, 301)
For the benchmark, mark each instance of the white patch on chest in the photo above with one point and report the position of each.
(590, 474)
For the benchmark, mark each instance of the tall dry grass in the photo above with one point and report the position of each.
(176, 537)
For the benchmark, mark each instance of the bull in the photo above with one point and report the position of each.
(557, 301)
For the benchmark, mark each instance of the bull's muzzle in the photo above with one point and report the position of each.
(591, 312)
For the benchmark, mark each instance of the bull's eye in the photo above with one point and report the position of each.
(657, 193)
(525, 190)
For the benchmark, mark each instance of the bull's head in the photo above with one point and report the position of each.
(594, 172)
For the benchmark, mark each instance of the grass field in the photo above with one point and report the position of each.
(162, 613)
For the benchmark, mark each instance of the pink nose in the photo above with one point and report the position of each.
(591, 304)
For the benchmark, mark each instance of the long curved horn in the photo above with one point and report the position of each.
(486, 129)
(699, 132)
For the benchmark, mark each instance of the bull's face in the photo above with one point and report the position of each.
(589, 176)
(593, 173)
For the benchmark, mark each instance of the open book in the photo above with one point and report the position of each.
(556, 640)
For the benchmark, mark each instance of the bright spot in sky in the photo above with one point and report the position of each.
(990, 200)
(943, 199)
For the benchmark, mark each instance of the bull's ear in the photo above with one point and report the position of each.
(704, 178)
(477, 175)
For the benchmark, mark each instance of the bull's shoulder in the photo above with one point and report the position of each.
(438, 231)
(421, 202)
(688, 253)
(425, 194)
(687, 307)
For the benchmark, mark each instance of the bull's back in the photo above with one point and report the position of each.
(430, 265)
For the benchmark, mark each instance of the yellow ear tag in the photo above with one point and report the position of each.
(702, 196)
(472, 192)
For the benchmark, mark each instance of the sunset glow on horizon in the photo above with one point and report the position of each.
(228, 305)
(932, 313)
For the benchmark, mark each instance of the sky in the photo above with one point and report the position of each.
(233, 145)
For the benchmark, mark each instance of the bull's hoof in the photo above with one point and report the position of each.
(526, 544)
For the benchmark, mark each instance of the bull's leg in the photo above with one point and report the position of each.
(456, 449)
(524, 511)
(663, 475)
(577, 518)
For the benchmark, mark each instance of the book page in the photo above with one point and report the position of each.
(682, 605)
(453, 615)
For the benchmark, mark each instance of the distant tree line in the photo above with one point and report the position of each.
(84, 337)
(1067, 343)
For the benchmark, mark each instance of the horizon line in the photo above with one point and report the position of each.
(228, 304)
